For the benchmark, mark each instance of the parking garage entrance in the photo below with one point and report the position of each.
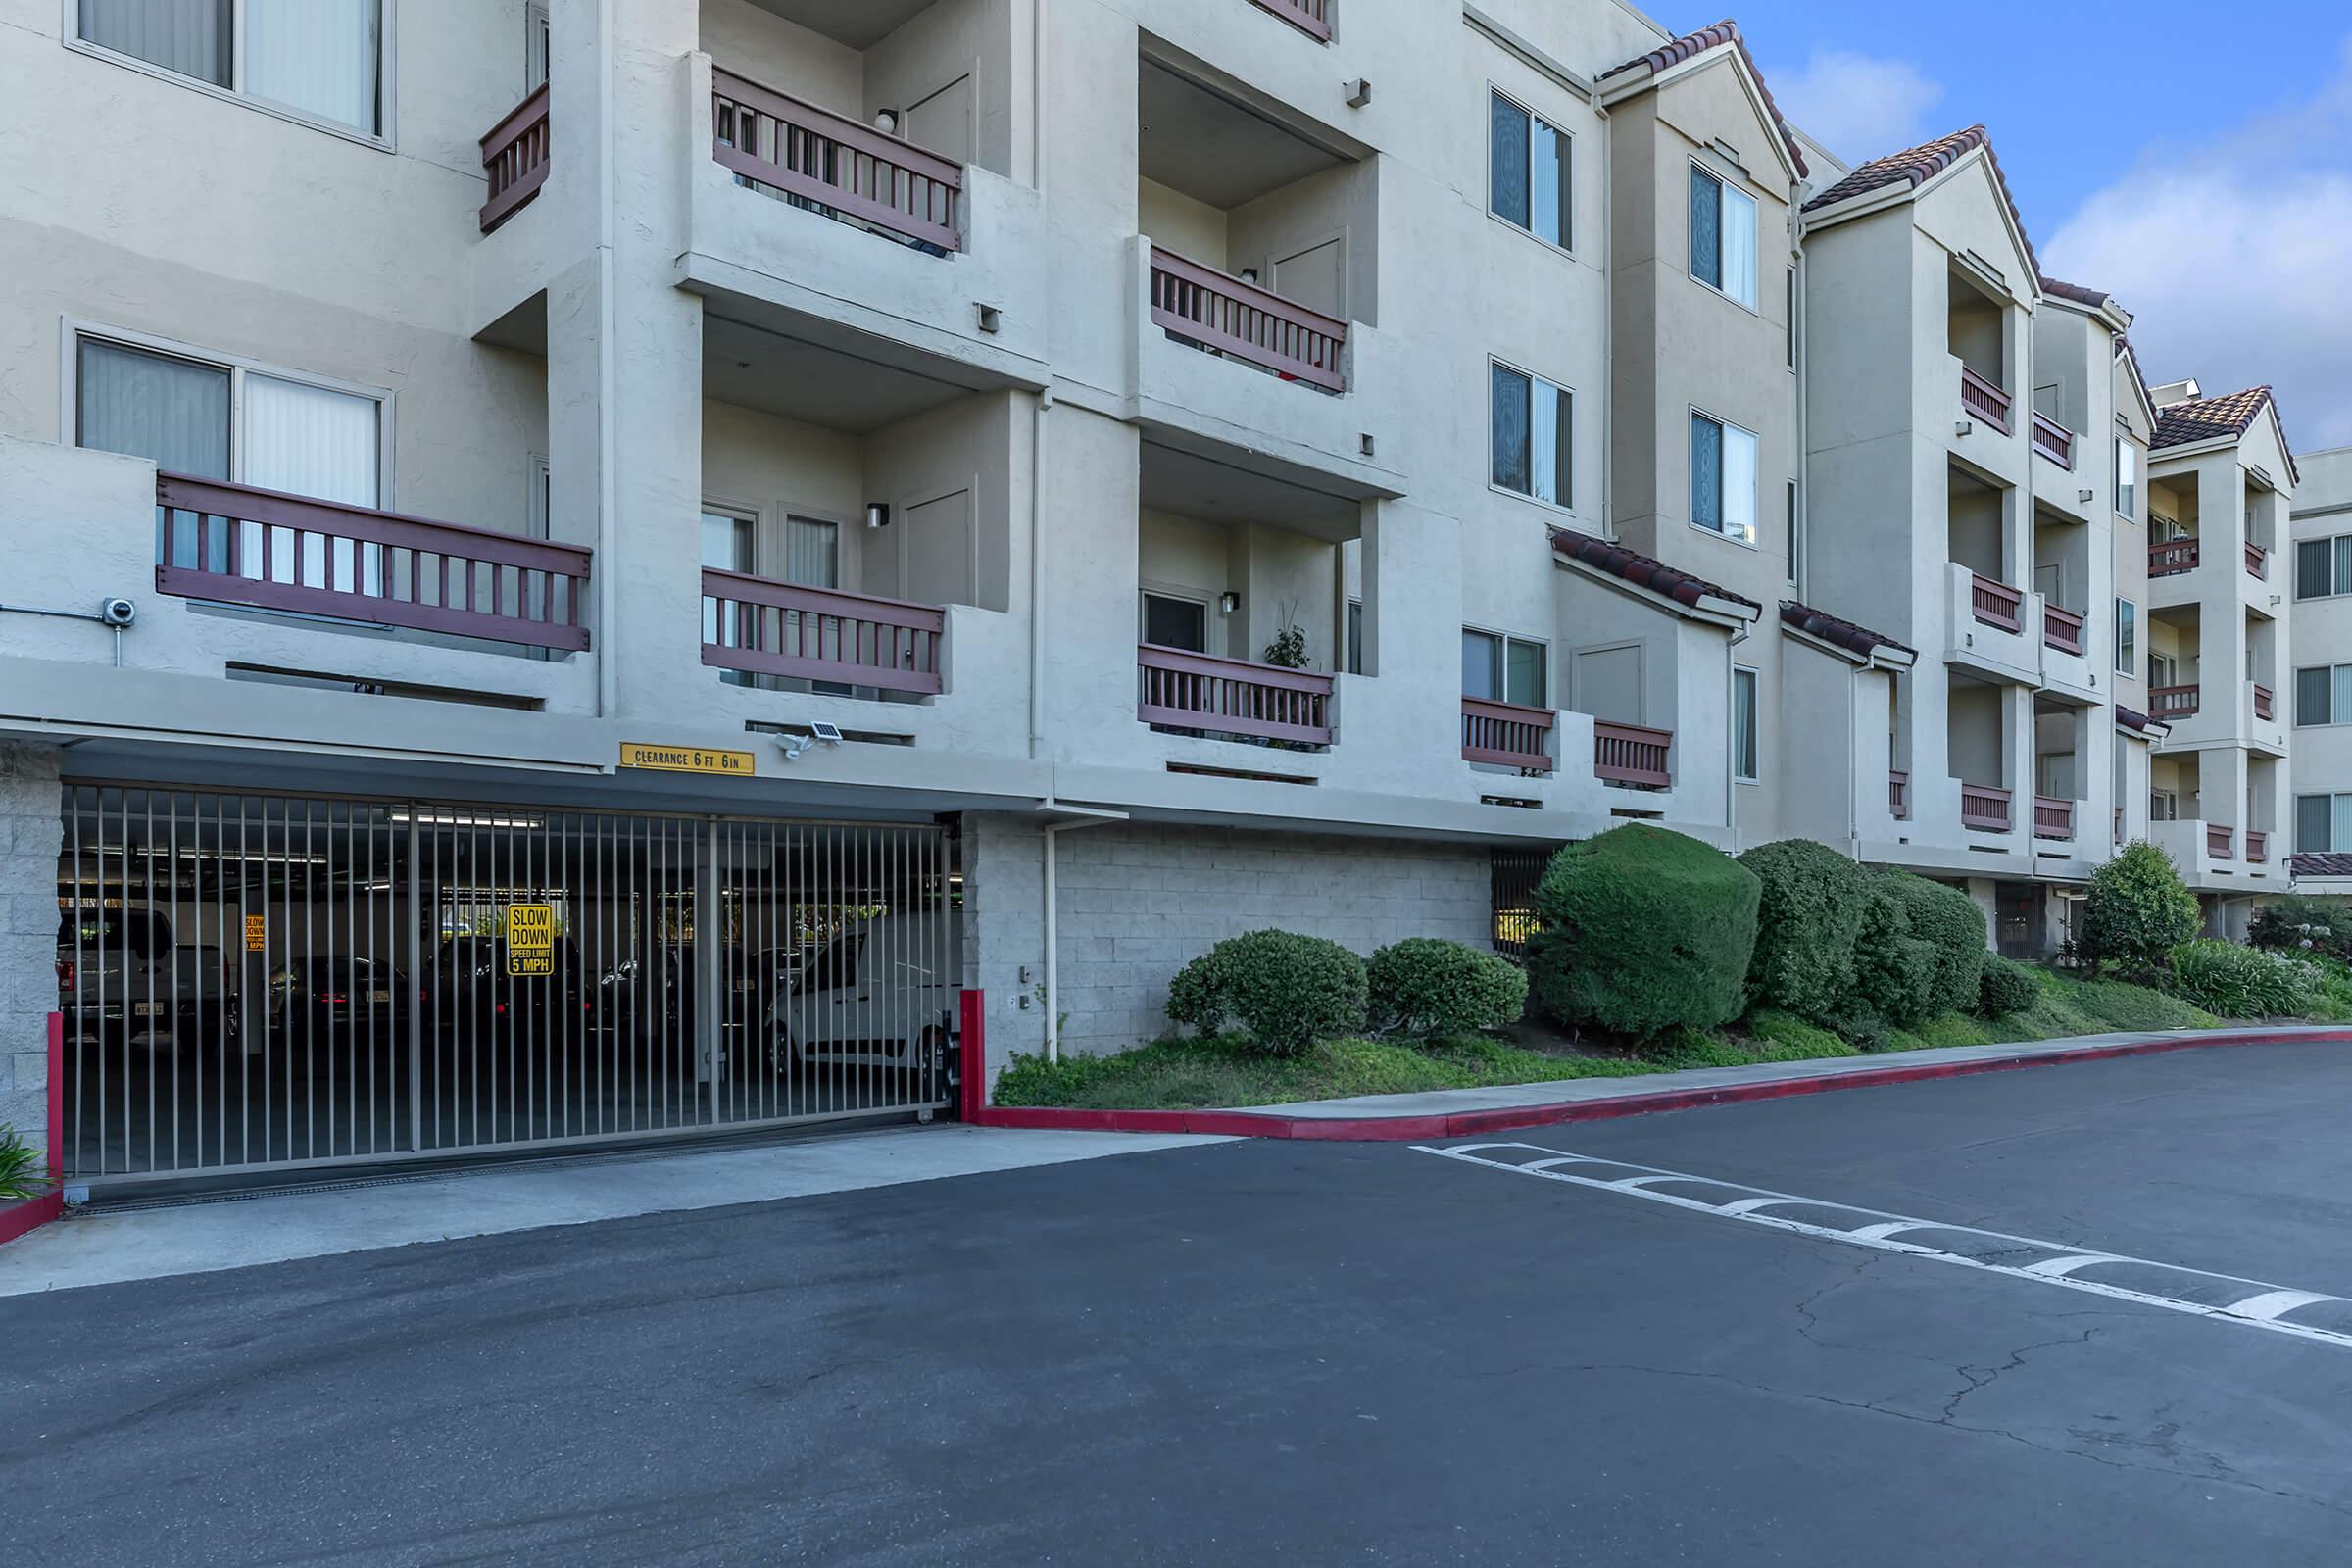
(259, 982)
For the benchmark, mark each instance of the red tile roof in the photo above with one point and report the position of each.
(2131, 718)
(1698, 43)
(1643, 571)
(2092, 297)
(2232, 415)
(1846, 634)
(1916, 165)
(2320, 865)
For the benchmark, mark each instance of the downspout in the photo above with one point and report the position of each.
(1608, 333)
(607, 488)
(1731, 754)
(1037, 574)
(1086, 817)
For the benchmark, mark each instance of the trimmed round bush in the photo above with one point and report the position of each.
(1428, 986)
(2234, 982)
(1949, 920)
(1810, 905)
(1894, 971)
(2137, 909)
(1286, 990)
(2005, 987)
(1643, 930)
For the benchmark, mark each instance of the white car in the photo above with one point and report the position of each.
(883, 993)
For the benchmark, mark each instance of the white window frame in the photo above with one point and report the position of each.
(2337, 544)
(1727, 181)
(1756, 719)
(2331, 796)
(238, 367)
(1756, 510)
(1505, 639)
(2334, 719)
(2140, 480)
(538, 63)
(1566, 509)
(1565, 247)
(385, 139)
(2126, 649)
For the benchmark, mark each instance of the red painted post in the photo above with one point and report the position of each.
(975, 1098)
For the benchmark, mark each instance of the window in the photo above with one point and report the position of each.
(1355, 636)
(2323, 695)
(1743, 724)
(2127, 637)
(2126, 478)
(321, 59)
(1723, 479)
(1723, 236)
(1533, 431)
(1500, 668)
(1179, 623)
(2323, 825)
(534, 46)
(1527, 171)
(2324, 567)
(1797, 534)
(1790, 329)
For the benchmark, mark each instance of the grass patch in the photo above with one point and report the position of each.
(2072, 1007)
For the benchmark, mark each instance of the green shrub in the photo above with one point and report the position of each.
(1286, 990)
(1428, 986)
(1644, 930)
(2137, 909)
(1949, 920)
(1810, 905)
(1894, 971)
(2005, 987)
(2306, 921)
(2234, 982)
(21, 1174)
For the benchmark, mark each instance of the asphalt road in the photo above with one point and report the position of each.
(1278, 1352)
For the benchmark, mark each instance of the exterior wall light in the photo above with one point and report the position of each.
(877, 513)
(1228, 602)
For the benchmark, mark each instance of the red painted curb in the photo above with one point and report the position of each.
(30, 1214)
(1507, 1118)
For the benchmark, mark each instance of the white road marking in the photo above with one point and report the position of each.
(2264, 1306)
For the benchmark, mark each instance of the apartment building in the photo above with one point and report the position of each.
(571, 584)
(2321, 765)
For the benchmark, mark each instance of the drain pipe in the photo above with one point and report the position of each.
(608, 373)
(1078, 817)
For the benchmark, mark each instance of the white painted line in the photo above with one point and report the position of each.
(2263, 1308)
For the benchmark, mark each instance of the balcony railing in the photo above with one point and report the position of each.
(835, 164)
(232, 544)
(1507, 734)
(2258, 846)
(1898, 795)
(1632, 755)
(2263, 701)
(1982, 399)
(2218, 841)
(514, 156)
(1984, 807)
(765, 627)
(2172, 702)
(1995, 604)
(2053, 817)
(2054, 441)
(2061, 629)
(1310, 17)
(1186, 690)
(2172, 558)
(1234, 316)
(2258, 561)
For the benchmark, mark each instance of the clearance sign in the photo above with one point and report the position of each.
(687, 760)
(530, 939)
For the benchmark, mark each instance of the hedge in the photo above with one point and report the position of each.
(1643, 930)
(1286, 990)
(1949, 920)
(1428, 986)
(1811, 902)
(2005, 987)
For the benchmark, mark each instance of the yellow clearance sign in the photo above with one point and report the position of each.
(530, 939)
(687, 760)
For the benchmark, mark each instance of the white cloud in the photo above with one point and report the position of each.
(2232, 254)
(1856, 106)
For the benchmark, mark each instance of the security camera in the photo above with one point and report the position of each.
(117, 612)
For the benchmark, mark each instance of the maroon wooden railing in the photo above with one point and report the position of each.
(1633, 755)
(835, 162)
(236, 545)
(2262, 703)
(1984, 400)
(2173, 557)
(780, 628)
(1237, 317)
(1995, 604)
(514, 156)
(1311, 16)
(2258, 845)
(2218, 841)
(1898, 795)
(2053, 817)
(2054, 441)
(2258, 561)
(1232, 696)
(2172, 702)
(2061, 629)
(1507, 734)
(1985, 806)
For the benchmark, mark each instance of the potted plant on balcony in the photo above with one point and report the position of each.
(1288, 650)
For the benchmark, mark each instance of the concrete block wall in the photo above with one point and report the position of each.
(29, 834)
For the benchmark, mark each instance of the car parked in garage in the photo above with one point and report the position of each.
(881, 994)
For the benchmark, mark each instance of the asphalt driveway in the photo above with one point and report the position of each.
(1302, 1352)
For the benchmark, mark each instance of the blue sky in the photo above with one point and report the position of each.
(2201, 170)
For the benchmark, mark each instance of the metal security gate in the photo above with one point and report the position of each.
(256, 982)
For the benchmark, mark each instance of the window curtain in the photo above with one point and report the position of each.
(319, 56)
(2341, 713)
(2340, 821)
(1706, 473)
(310, 441)
(170, 412)
(1547, 184)
(2311, 695)
(1506, 165)
(1706, 227)
(1509, 434)
(1740, 484)
(1739, 246)
(2314, 574)
(2343, 563)
(811, 553)
(187, 36)
(2312, 825)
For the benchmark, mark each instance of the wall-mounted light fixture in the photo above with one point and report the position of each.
(1249, 275)
(877, 513)
(1359, 93)
(1228, 602)
(886, 120)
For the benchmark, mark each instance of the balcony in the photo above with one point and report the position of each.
(1632, 756)
(2258, 561)
(2061, 629)
(2258, 846)
(1184, 690)
(1234, 317)
(1507, 734)
(2263, 703)
(764, 627)
(2053, 817)
(2218, 841)
(1995, 604)
(1898, 796)
(2170, 702)
(232, 544)
(515, 157)
(2172, 558)
(2054, 441)
(1310, 17)
(1983, 807)
(1981, 400)
(833, 166)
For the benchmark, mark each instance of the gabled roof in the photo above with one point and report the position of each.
(2139, 724)
(2225, 417)
(1643, 571)
(1916, 165)
(1692, 44)
(2095, 298)
(2139, 376)
(1838, 631)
